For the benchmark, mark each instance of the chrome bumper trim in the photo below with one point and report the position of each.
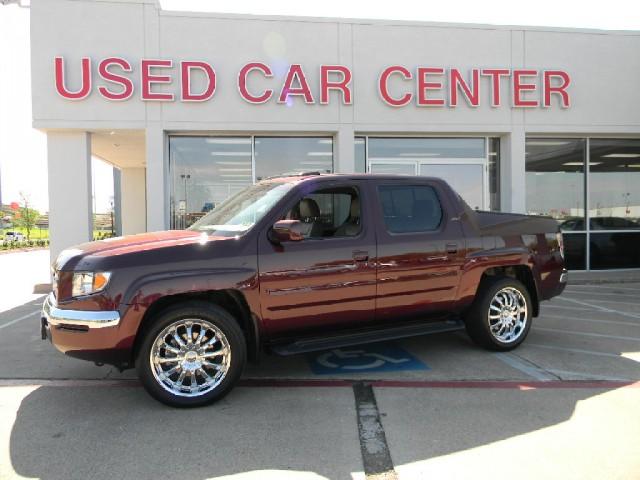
(80, 318)
(564, 277)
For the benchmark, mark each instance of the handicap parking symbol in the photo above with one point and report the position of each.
(366, 358)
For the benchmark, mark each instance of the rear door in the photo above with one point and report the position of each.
(420, 249)
(328, 279)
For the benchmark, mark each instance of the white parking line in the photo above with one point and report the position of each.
(18, 319)
(634, 304)
(607, 294)
(593, 320)
(599, 307)
(563, 307)
(636, 289)
(590, 376)
(574, 350)
(586, 334)
(525, 367)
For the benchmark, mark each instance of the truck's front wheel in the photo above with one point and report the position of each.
(500, 317)
(192, 355)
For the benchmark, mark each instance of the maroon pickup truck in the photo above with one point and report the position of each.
(296, 264)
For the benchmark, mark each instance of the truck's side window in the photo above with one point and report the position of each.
(410, 208)
(329, 213)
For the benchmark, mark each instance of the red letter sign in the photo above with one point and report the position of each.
(423, 86)
(342, 85)
(384, 90)
(84, 90)
(124, 82)
(495, 74)
(519, 87)
(561, 89)
(471, 93)
(185, 75)
(149, 79)
(295, 72)
(242, 82)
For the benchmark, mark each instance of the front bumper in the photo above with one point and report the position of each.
(90, 335)
(77, 319)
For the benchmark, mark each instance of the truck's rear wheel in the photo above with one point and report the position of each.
(192, 355)
(500, 317)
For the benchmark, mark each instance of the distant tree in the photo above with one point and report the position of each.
(26, 217)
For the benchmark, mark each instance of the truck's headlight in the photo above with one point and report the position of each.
(85, 283)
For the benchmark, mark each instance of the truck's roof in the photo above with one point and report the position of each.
(295, 178)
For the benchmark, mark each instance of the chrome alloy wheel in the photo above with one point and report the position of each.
(508, 315)
(190, 357)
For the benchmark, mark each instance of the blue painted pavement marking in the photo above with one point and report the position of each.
(379, 357)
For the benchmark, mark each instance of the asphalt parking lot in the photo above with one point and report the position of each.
(563, 405)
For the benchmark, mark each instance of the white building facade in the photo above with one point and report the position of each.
(192, 107)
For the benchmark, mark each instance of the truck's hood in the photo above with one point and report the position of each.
(69, 258)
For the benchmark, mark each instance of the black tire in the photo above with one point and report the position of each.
(202, 311)
(477, 318)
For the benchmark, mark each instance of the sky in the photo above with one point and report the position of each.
(23, 164)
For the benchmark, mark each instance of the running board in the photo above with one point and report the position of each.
(314, 344)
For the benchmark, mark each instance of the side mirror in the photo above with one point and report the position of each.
(287, 231)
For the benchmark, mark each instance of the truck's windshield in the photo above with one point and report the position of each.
(239, 213)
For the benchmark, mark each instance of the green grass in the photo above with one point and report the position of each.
(38, 234)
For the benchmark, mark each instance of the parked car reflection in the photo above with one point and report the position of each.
(607, 249)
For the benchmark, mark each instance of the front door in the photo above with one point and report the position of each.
(329, 277)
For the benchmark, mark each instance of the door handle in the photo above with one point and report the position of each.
(360, 255)
(452, 248)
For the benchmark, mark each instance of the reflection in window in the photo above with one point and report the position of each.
(614, 182)
(205, 171)
(614, 250)
(399, 148)
(555, 180)
(278, 155)
(575, 250)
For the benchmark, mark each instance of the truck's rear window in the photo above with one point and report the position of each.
(410, 208)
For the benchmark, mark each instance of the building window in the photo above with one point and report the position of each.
(462, 162)
(494, 173)
(614, 203)
(360, 154)
(278, 155)
(206, 170)
(555, 184)
(604, 235)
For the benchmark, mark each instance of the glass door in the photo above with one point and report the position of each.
(460, 161)
(468, 179)
(393, 168)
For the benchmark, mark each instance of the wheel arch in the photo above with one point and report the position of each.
(231, 300)
(522, 273)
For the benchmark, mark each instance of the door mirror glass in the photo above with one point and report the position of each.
(288, 231)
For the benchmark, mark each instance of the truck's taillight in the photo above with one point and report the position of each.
(560, 244)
